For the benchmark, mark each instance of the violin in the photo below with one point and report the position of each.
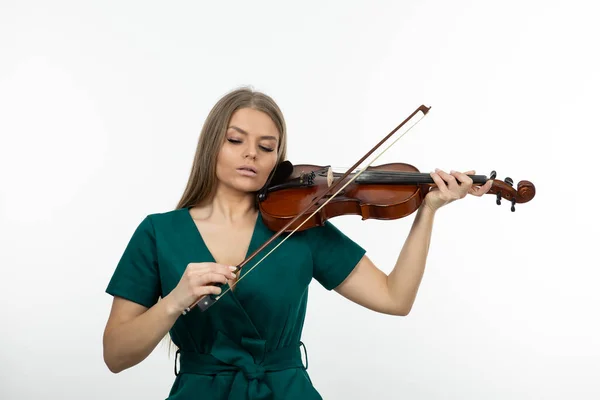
(383, 192)
(303, 196)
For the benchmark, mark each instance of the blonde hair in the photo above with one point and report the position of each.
(202, 180)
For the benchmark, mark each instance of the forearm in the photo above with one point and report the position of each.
(129, 343)
(404, 280)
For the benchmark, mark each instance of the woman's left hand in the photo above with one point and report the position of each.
(451, 187)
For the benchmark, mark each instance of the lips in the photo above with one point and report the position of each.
(247, 170)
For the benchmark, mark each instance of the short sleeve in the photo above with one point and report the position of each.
(334, 254)
(136, 276)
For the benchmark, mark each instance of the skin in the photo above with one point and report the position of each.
(395, 293)
(133, 331)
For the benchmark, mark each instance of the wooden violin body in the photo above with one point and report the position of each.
(384, 192)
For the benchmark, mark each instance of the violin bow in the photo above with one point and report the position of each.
(208, 300)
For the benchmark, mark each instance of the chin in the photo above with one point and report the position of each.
(248, 186)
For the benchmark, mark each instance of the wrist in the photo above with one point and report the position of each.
(171, 306)
(427, 209)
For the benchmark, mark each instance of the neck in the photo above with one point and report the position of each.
(404, 178)
(229, 205)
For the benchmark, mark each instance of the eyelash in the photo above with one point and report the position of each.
(234, 141)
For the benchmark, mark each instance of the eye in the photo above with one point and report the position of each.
(263, 148)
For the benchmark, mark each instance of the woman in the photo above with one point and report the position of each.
(247, 345)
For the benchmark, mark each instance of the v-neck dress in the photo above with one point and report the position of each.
(247, 345)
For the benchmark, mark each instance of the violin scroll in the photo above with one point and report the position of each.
(524, 192)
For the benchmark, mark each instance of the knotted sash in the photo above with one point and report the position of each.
(249, 360)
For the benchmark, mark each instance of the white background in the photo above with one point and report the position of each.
(101, 104)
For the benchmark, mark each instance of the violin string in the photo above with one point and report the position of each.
(412, 178)
(317, 210)
(399, 177)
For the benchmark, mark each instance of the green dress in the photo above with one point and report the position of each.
(248, 344)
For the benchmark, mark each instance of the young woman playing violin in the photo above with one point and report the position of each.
(247, 345)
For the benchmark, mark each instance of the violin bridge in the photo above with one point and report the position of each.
(329, 177)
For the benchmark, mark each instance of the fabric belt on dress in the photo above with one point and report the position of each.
(248, 360)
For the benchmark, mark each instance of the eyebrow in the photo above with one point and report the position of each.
(240, 130)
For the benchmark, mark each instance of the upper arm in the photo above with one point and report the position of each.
(136, 276)
(122, 311)
(340, 263)
(367, 285)
(135, 283)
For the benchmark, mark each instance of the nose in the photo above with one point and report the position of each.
(250, 153)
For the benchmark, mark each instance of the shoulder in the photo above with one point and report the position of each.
(329, 239)
(166, 219)
(160, 224)
(334, 254)
(322, 233)
(169, 214)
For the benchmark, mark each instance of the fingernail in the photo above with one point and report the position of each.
(452, 171)
(233, 275)
(233, 268)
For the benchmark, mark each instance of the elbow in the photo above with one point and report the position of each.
(107, 355)
(113, 369)
(115, 366)
(113, 362)
(112, 365)
(116, 361)
(401, 310)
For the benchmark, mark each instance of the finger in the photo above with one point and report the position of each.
(213, 290)
(232, 268)
(476, 191)
(224, 269)
(481, 190)
(455, 191)
(448, 178)
(197, 271)
(210, 278)
(203, 268)
(488, 186)
(441, 185)
(462, 177)
(201, 291)
(466, 182)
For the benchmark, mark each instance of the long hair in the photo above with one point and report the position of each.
(203, 179)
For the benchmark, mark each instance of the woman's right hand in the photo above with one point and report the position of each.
(197, 281)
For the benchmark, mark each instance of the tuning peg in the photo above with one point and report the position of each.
(493, 175)
(498, 198)
(509, 181)
(512, 204)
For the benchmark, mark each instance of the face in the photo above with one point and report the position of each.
(249, 152)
